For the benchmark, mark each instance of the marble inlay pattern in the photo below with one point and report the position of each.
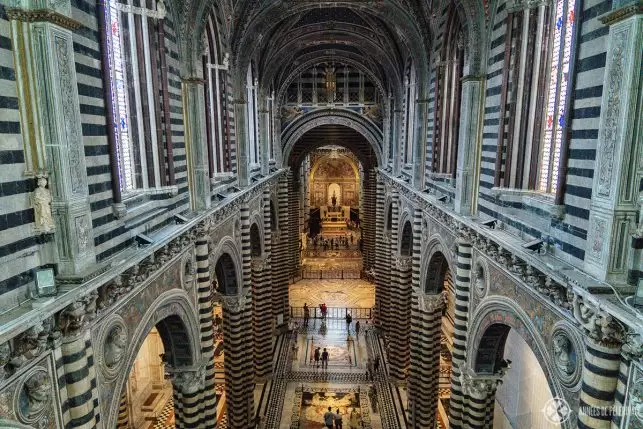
(335, 293)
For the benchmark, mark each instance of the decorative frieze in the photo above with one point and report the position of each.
(598, 324)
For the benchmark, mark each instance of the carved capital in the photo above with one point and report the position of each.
(188, 380)
(432, 303)
(599, 326)
(232, 303)
(76, 316)
(259, 264)
(403, 263)
(633, 347)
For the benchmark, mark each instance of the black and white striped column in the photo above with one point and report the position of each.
(382, 263)
(208, 398)
(600, 377)
(280, 271)
(369, 223)
(426, 324)
(239, 362)
(78, 380)
(462, 285)
(479, 394)
(401, 274)
(187, 387)
(293, 223)
(123, 413)
(621, 387)
(262, 299)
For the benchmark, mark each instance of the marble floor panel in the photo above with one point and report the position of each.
(306, 403)
(334, 292)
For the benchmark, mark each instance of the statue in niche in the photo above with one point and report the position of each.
(115, 346)
(333, 199)
(41, 201)
(563, 355)
(38, 393)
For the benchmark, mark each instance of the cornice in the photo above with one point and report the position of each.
(42, 15)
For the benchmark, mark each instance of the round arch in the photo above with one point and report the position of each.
(228, 246)
(406, 238)
(502, 314)
(256, 246)
(436, 247)
(176, 320)
(320, 117)
(344, 158)
(225, 272)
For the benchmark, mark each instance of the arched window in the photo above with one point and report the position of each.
(215, 69)
(251, 117)
(409, 120)
(406, 244)
(534, 95)
(138, 74)
(448, 96)
(556, 108)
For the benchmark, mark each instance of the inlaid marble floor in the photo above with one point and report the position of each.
(343, 385)
(335, 293)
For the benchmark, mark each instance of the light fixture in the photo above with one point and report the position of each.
(45, 282)
(491, 223)
(536, 244)
(444, 198)
(143, 240)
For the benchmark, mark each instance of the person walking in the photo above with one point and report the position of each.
(306, 314)
(376, 364)
(349, 320)
(317, 356)
(369, 369)
(354, 419)
(338, 420)
(329, 417)
(324, 358)
(357, 326)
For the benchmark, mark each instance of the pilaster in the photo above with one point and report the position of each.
(241, 132)
(468, 146)
(619, 155)
(419, 145)
(53, 126)
(195, 140)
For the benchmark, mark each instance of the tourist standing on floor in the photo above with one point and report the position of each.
(306, 314)
(357, 329)
(349, 320)
(324, 359)
(376, 364)
(329, 417)
(317, 356)
(369, 369)
(338, 420)
(354, 419)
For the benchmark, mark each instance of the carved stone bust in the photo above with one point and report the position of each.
(115, 346)
(563, 355)
(37, 390)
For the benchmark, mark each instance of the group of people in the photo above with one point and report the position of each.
(372, 366)
(334, 243)
(323, 310)
(336, 418)
(321, 356)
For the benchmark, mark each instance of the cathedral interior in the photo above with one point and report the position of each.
(266, 214)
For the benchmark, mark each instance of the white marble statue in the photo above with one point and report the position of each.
(562, 353)
(41, 201)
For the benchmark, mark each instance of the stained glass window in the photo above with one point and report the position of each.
(555, 114)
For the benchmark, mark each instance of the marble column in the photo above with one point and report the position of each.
(280, 269)
(469, 144)
(369, 222)
(293, 223)
(462, 285)
(76, 350)
(613, 209)
(208, 399)
(399, 340)
(424, 372)
(187, 384)
(239, 362)
(123, 412)
(262, 298)
(382, 262)
(195, 141)
(631, 354)
(479, 399)
(600, 378)
(397, 135)
(50, 88)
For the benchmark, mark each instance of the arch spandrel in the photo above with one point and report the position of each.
(173, 303)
